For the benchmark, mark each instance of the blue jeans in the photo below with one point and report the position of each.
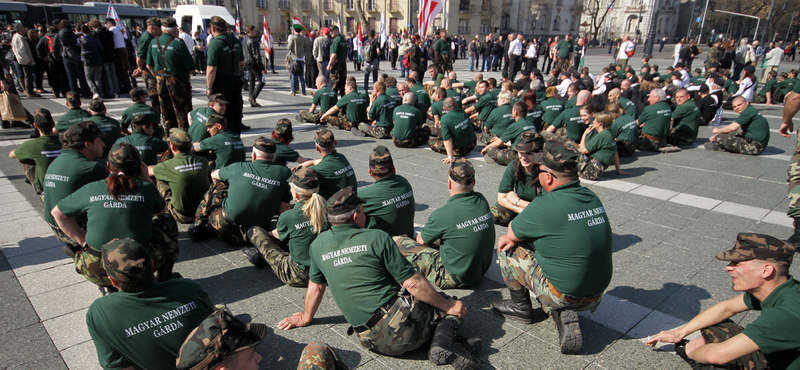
(323, 68)
(110, 82)
(402, 66)
(74, 75)
(487, 62)
(299, 76)
(471, 59)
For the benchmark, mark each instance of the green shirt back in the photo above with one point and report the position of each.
(484, 105)
(535, 116)
(136, 110)
(630, 107)
(228, 147)
(394, 93)
(335, 173)
(296, 230)
(67, 173)
(143, 45)
(42, 151)
(389, 205)
(259, 187)
(339, 48)
(112, 129)
(437, 108)
(173, 52)
(325, 98)
(284, 154)
(71, 117)
(514, 131)
(686, 118)
(624, 128)
(767, 87)
(754, 125)
(148, 146)
(456, 126)
(499, 119)
(198, 130)
(355, 106)
(187, 176)
(225, 53)
(406, 120)
(571, 118)
(552, 108)
(657, 119)
(602, 146)
(381, 111)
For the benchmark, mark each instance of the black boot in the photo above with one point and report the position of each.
(253, 255)
(165, 272)
(445, 348)
(107, 290)
(70, 250)
(570, 339)
(795, 238)
(199, 231)
(518, 307)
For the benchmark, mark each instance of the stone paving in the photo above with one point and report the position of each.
(670, 217)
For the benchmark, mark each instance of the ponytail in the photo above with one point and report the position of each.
(314, 209)
(119, 183)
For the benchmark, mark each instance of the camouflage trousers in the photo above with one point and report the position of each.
(152, 90)
(162, 248)
(428, 261)
(437, 145)
(406, 325)
(590, 168)
(520, 270)
(484, 138)
(502, 215)
(278, 258)
(66, 239)
(726, 330)
(559, 135)
(445, 63)
(420, 137)
(210, 212)
(175, 96)
(625, 149)
(502, 156)
(375, 131)
(562, 63)
(339, 76)
(794, 182)
(30, 174)
(435, 131)
(650, 144)
(340, 122)
(320, 356)
(166, 192)
(734, 142)
(309, 116)
(758, 99)
(679, 138)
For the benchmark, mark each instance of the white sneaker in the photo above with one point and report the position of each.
(96, 96)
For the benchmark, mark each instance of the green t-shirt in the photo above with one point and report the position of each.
(442, 46)
(335, 173)
(552, 108)
(42, 151)
(729, 86)
(697, 80)
(437, 108)
(525, 188)
(438, 80)
(187, 176)
(485, 104)
(67, 173)
(775, 330)
(786, 85)
(464, 227)
(571, 118)
(228, 147)
(284, 154)
(471, 85)
(175, 54)
(259, 188)
(355, 106)
(296, 230)
(389, 205)
(452, 93)
(148, 146)
(535, 116)
(198, 130)
(686, 118)
(422, 99)
(381, 111)
(136, 110)
(339, 48)
(564, 47)
(225, 53)
(796, 88)
(499, 119)
(394, 93)
(146, 328)
(71, 117)
(108, 218)
(143, 45)
(572, 235)
(571, 102)
(657, 119)
(754, 125)
(112, 129)
(630, 107)
(602, 146)
(325, 98)
(514, 131)
(363, 267)
(624, 128)
(456, 126)
(768, 87)
(406, 120)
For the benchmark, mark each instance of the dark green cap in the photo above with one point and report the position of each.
(751, 246)
(179, 136)
(558, 157)
(324, 138)
(124, 157)
(217, 98)
(343, 201)
(283, 127)
(380, 158)
(265, 145)
(462, 171)
(214, 119)
(43, 118)
(304, 177)
(126, 261)
(169, 22)
(217, 337)
(97, 105)
(82, 132)
(530, 142)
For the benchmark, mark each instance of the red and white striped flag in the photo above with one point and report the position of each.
(265, 37)
(428, 10)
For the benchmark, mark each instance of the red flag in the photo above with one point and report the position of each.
(265, 37)
(297, 21)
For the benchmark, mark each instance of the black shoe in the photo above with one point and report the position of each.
(254, 256)
(518, 308)
(20, 124)
(795, 238)
(273, 72)
(6, 124)
(245, 127)
(570, 339)
(199, 232)
(107, 290)
(445, 349)
(70, 250)
(357, 132)
(253, 103)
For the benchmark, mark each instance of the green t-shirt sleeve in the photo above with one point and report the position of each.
(208, 143)
(143, 48)
(376, 105)
(446, 133)
(314, 274)
(317, 97)
(108, 357)
(225, 173)
(507, 182)
(25, 151)
(775, 330)
(745, 118)
(593, 143)
(397, 265)
(211, 52)
(282, 226)
(343, 101)
(161, 172)
(74, 205)
(559, 121)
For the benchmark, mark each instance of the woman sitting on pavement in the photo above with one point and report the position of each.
(520, 182)
(624, 129)
(598, 148)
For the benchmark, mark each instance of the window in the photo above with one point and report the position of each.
(350, 23)
(261, 4)
(555, 23)
(350, 5)
(394, 6)
(328, 22)
(307, 22)
(393, 25)
(505, 22)
(371, 25)
(283, 4)
(372, 5)
(463, 26)
(572, 25)
(305, 5)
(485, 28)
(328, 5)
(463, 6)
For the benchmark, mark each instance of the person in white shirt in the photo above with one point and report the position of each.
(624, 48)
(564, 85)
(773, 60)
(686, 80)
(402, 49)
(186, 38)
(515, 57)
(676, 53)
(531, 58)
(121, 67)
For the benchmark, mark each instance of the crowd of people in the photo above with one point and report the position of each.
(114, 191)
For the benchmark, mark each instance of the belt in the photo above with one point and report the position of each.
(92, 252)
(569, 299)
(376, 316)
(651, 137)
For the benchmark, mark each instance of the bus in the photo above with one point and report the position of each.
(195, 18)
(31, 14)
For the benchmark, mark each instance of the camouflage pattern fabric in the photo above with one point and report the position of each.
(445, 63)
(520, 270)
(30, 175)
(764, 247)
(650, 145)
(216, 338)
(421, 137)
(320, 356)
(502, 156)
(726, 330)
(175, 97)
(127, 261)
(477, 124)
(91, 267)
(437, 145)
(166, 192)
(309, 116)
(339, 122)
(64, 238)
(339, 76)
(714, 55)
(794, 181)
(210, 212)
(625, 149)
(758, 99)
(435, 131)
(407, 325)
(559, 135)
(590, 168)
(152, 90)
(278, 257)
(734, 142)
(502, 215)
(375, 131)
(484, 138)
(678, 138)
(428, 261)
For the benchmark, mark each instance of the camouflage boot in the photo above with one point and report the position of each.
(570, 339)
(446, 349)
(795, 238)
(519, 307)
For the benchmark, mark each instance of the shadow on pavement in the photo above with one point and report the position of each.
(654, 298)
(624, 241)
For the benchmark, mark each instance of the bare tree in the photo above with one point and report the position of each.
(490, 12)
(596, 13)
(538, 8)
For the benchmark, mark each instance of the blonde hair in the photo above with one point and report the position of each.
(314, 209)
(507, 86)
(604, 117)
(615, 109)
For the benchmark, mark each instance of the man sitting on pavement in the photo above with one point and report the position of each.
(144, 140)
(655, 122)
(37, 154)
(349, 111)
(380, 113)
(685, 120)
(197, 118)
(501, 149)
(225, 144)
(324, 98)
(458, 137)
(139, 107)
(74, 115)
(334, 170)
(409, 124)
(108, 125)
(753, 138)
(389, 201)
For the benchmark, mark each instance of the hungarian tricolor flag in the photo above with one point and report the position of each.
(265, 37)
(296, 22)
(359, 44)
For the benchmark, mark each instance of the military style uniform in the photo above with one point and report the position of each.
(381, 111)
(444, 62)
(552, 108)
(228, 147)
(714, 56)
(71, 117)
(754, 136)
(629, 106)
(409, 127)
(569, 126)
(422, 96)
(496, 124)
(182, 181)
(149, 147)
(686, 122)
(394, 93)
(526, 189)
(197, 130)
(172, 61)
(602, 147)
(657, 119)
(505, 155)
(324, 98)
(138, 109)
(36, 156)
(339, 69)
(225, 53)
(354, 106)
(143, 52)
(110, 127)
(455, 126)
(335, 173)
(389, 203)
(626, 132)
(536, 117)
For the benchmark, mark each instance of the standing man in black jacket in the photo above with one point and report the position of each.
(497, 53)
(253, 64)
(486, 51)
(54, 67)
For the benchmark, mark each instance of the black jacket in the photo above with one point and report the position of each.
(106, 38)
(252, 55)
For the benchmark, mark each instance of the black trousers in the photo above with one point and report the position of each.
(254, 82)
(311, 73)
(231, 87)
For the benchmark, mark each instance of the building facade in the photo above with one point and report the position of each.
(629, 16)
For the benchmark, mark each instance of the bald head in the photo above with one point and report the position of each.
(478, 76)
(583, 97)
(451, 75)
(414, 75)
(613, 95)
(409, 98)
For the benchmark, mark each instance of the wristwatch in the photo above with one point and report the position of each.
(517, 202)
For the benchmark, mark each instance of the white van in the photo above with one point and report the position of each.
(195, 18)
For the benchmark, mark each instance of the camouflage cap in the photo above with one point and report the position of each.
(137, 93)
(283, 127)
(124, 156)
(380, 158)
(169, 22)
(82, 132)
(217, 98)
(751, 246)
(179, 136)
(343, 201)
(558, 157)
(154, 22)
(126, 261)
(97, 105)
(324, 138)
(462, 171)
(530, 142)
(43, 118)
(73, 98)
(265, 145)
(218, 22)
(213, 119)
(217, 337)
(304, 177)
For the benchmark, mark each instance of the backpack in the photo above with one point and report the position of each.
(630, 53)
(370, 50)
(407, 60)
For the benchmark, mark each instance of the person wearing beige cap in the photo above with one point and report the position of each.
(758, 265)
